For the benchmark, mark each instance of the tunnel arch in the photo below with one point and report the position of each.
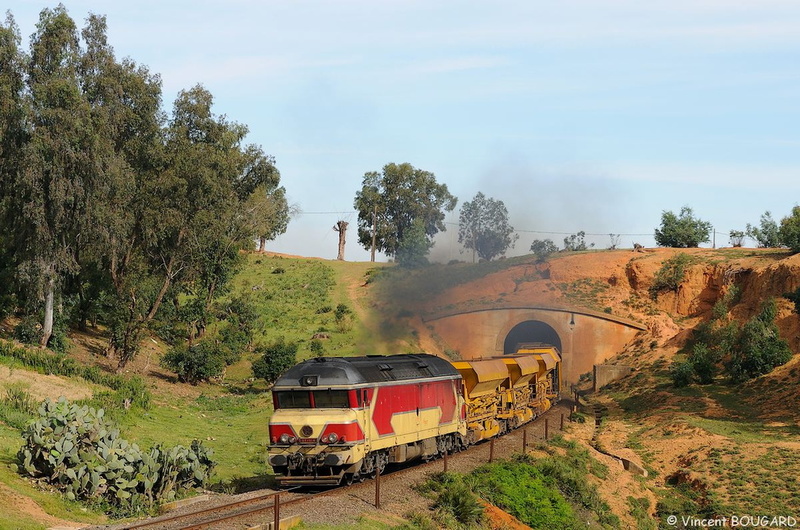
(531, 331)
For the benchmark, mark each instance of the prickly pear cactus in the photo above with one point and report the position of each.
(81, 452)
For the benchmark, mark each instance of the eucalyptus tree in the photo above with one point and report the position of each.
(266, 209)
(48, 195)
(683, 230)
(125, 101)
(390, 202)
(108, 201)
(483, 227)
(13, 136)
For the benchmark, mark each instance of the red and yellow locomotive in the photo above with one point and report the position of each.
(342, 418)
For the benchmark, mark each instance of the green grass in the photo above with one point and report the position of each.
(587, 292)
(300, 301)
(235, 427)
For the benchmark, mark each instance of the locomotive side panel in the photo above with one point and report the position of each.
(403, 414)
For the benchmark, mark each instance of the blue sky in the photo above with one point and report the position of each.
(593, 115)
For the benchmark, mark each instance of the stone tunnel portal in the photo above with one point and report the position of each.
(531, 331)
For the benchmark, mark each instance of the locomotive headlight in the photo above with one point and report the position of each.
(284, 439)
(333, 437)
(292, 440)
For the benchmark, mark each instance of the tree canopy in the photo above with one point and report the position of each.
(766, 234)
(112, 208)
(789, 232)
(682, 230)
(394, 199)
(483, 227)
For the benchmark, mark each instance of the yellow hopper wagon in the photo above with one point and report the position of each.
(482, 379)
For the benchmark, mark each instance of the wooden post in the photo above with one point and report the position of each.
(491, 450)
(378, 487)
(445, 461)
(276, 511)
(562, 421)
(546, 429)
(524, 440)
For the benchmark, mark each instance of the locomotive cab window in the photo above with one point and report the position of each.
(331, 399)
(299, 399)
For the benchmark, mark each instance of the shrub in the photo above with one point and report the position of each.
(17, 407)
(80, 452)
(736, 238)
(682, 373)
(342, 316)
(576, 242)
(703, 361)
(456, 499)
(317, 348)
(28, 331)
(543, 248)
(758, 348)
(275, 359)
(201, 361)
(670, 275)
(767, 234)
(789, 232)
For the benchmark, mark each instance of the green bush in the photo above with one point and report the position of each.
(202, 361)
(759, 347)
(342, 316)
(28, 331)
(80, 452)
(457, 500)
(275, 359)
(17, 407)
(670, 275)
(682, 373)
(789, 231)
(317, 348)
(543, 248)
(703, 361)
(767, 233)
(524, 491)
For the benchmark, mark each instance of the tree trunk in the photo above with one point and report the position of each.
(341, 227)
(262, 244)
(47, 329)
(164, 287)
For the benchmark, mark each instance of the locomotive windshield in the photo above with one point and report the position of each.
(317, 399)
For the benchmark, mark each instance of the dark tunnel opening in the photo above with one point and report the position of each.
(530, 331)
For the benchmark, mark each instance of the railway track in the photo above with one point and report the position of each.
(258, 507)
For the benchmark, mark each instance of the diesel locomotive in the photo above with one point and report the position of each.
(339, 419)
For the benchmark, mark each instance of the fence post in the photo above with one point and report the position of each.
(378, 487)
(445, 461)
(276, 511)
(546, 429)
(491, 450)
(562, 421)
(524, 439)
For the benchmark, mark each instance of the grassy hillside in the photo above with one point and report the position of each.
(295, 299)
(708, 448)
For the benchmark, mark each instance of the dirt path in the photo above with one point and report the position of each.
(20, 504)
